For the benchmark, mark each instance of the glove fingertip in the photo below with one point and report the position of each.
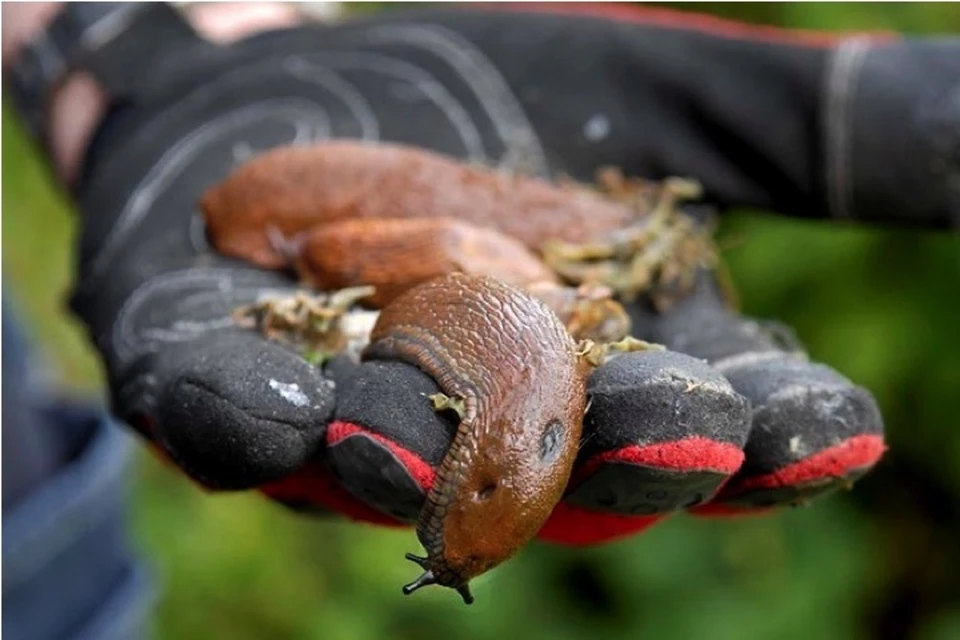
(238, 412)
(663, 433)
(386, 438)
(814, 431)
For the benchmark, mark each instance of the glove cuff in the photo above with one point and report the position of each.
(892, 131)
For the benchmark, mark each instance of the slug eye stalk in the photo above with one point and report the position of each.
(428, 578)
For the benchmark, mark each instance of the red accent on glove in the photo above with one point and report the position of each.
(576, 527)
(314, 484)
(695, 453)
(568, 525)
(688, 21)
(838, 461)
(422, 473)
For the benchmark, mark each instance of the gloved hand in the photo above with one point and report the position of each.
(762, 118)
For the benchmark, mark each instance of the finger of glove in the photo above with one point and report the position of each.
(158, 302)
(235, 411)
(663, 432)
(231, 408)
(813, 430)
(386, 440)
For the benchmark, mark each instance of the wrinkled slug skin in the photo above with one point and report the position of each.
(516, 368)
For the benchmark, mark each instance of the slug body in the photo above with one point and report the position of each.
(522, 385)
(395, 254)
(293, 190)
(345, 214)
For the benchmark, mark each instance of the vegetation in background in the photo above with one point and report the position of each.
(881, 306)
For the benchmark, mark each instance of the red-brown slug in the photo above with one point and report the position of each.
(511, 369)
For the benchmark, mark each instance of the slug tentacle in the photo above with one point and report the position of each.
(424, 580)
(428, 578)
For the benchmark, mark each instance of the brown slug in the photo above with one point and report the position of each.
(395, 254)
(292, 190)
(331, 210)
(509, 367)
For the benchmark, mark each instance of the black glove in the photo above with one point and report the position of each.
(762, 118)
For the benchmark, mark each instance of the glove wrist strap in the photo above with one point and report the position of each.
(115, 41)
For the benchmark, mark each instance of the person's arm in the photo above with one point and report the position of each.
(77, 105)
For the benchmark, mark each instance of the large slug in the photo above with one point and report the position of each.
(392, 255)
(510, 368)
(348, 194)
(296, 189)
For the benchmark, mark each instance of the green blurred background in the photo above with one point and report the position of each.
(882, 561)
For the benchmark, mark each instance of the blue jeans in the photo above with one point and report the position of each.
(68, 569)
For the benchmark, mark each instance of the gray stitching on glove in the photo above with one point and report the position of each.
(426, 83)
(226, 286)
(842, 76)
(483, 77)
(346, 92)
(177, 159)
